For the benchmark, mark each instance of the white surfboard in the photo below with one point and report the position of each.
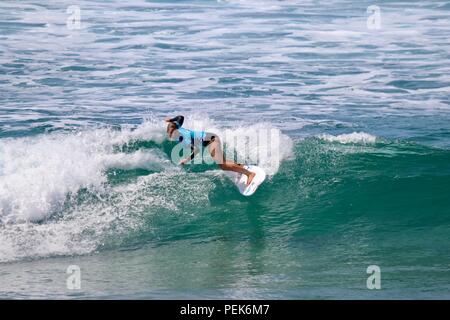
(241, 180)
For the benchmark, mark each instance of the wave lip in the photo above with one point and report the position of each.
(347, 138)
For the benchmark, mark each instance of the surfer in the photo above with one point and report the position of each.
(201, 139)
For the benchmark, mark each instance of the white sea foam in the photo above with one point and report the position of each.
(37, 173)
(354, 137)
(117, 211)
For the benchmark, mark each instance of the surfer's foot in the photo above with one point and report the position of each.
(250, 177)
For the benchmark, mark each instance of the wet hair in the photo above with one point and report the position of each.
(177, 121)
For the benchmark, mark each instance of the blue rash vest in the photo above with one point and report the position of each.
(191, 137)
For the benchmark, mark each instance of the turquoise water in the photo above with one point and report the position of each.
(362, 179)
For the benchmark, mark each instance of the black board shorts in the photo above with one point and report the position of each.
(208, 142)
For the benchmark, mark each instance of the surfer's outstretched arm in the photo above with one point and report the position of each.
(194, 151)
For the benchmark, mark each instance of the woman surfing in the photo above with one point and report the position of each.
(197, 140)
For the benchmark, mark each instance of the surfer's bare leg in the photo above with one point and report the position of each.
(225, 164)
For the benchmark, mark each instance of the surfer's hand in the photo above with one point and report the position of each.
(183, 162)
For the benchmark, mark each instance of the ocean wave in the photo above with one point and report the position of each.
(64, 192)
(156, 205)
